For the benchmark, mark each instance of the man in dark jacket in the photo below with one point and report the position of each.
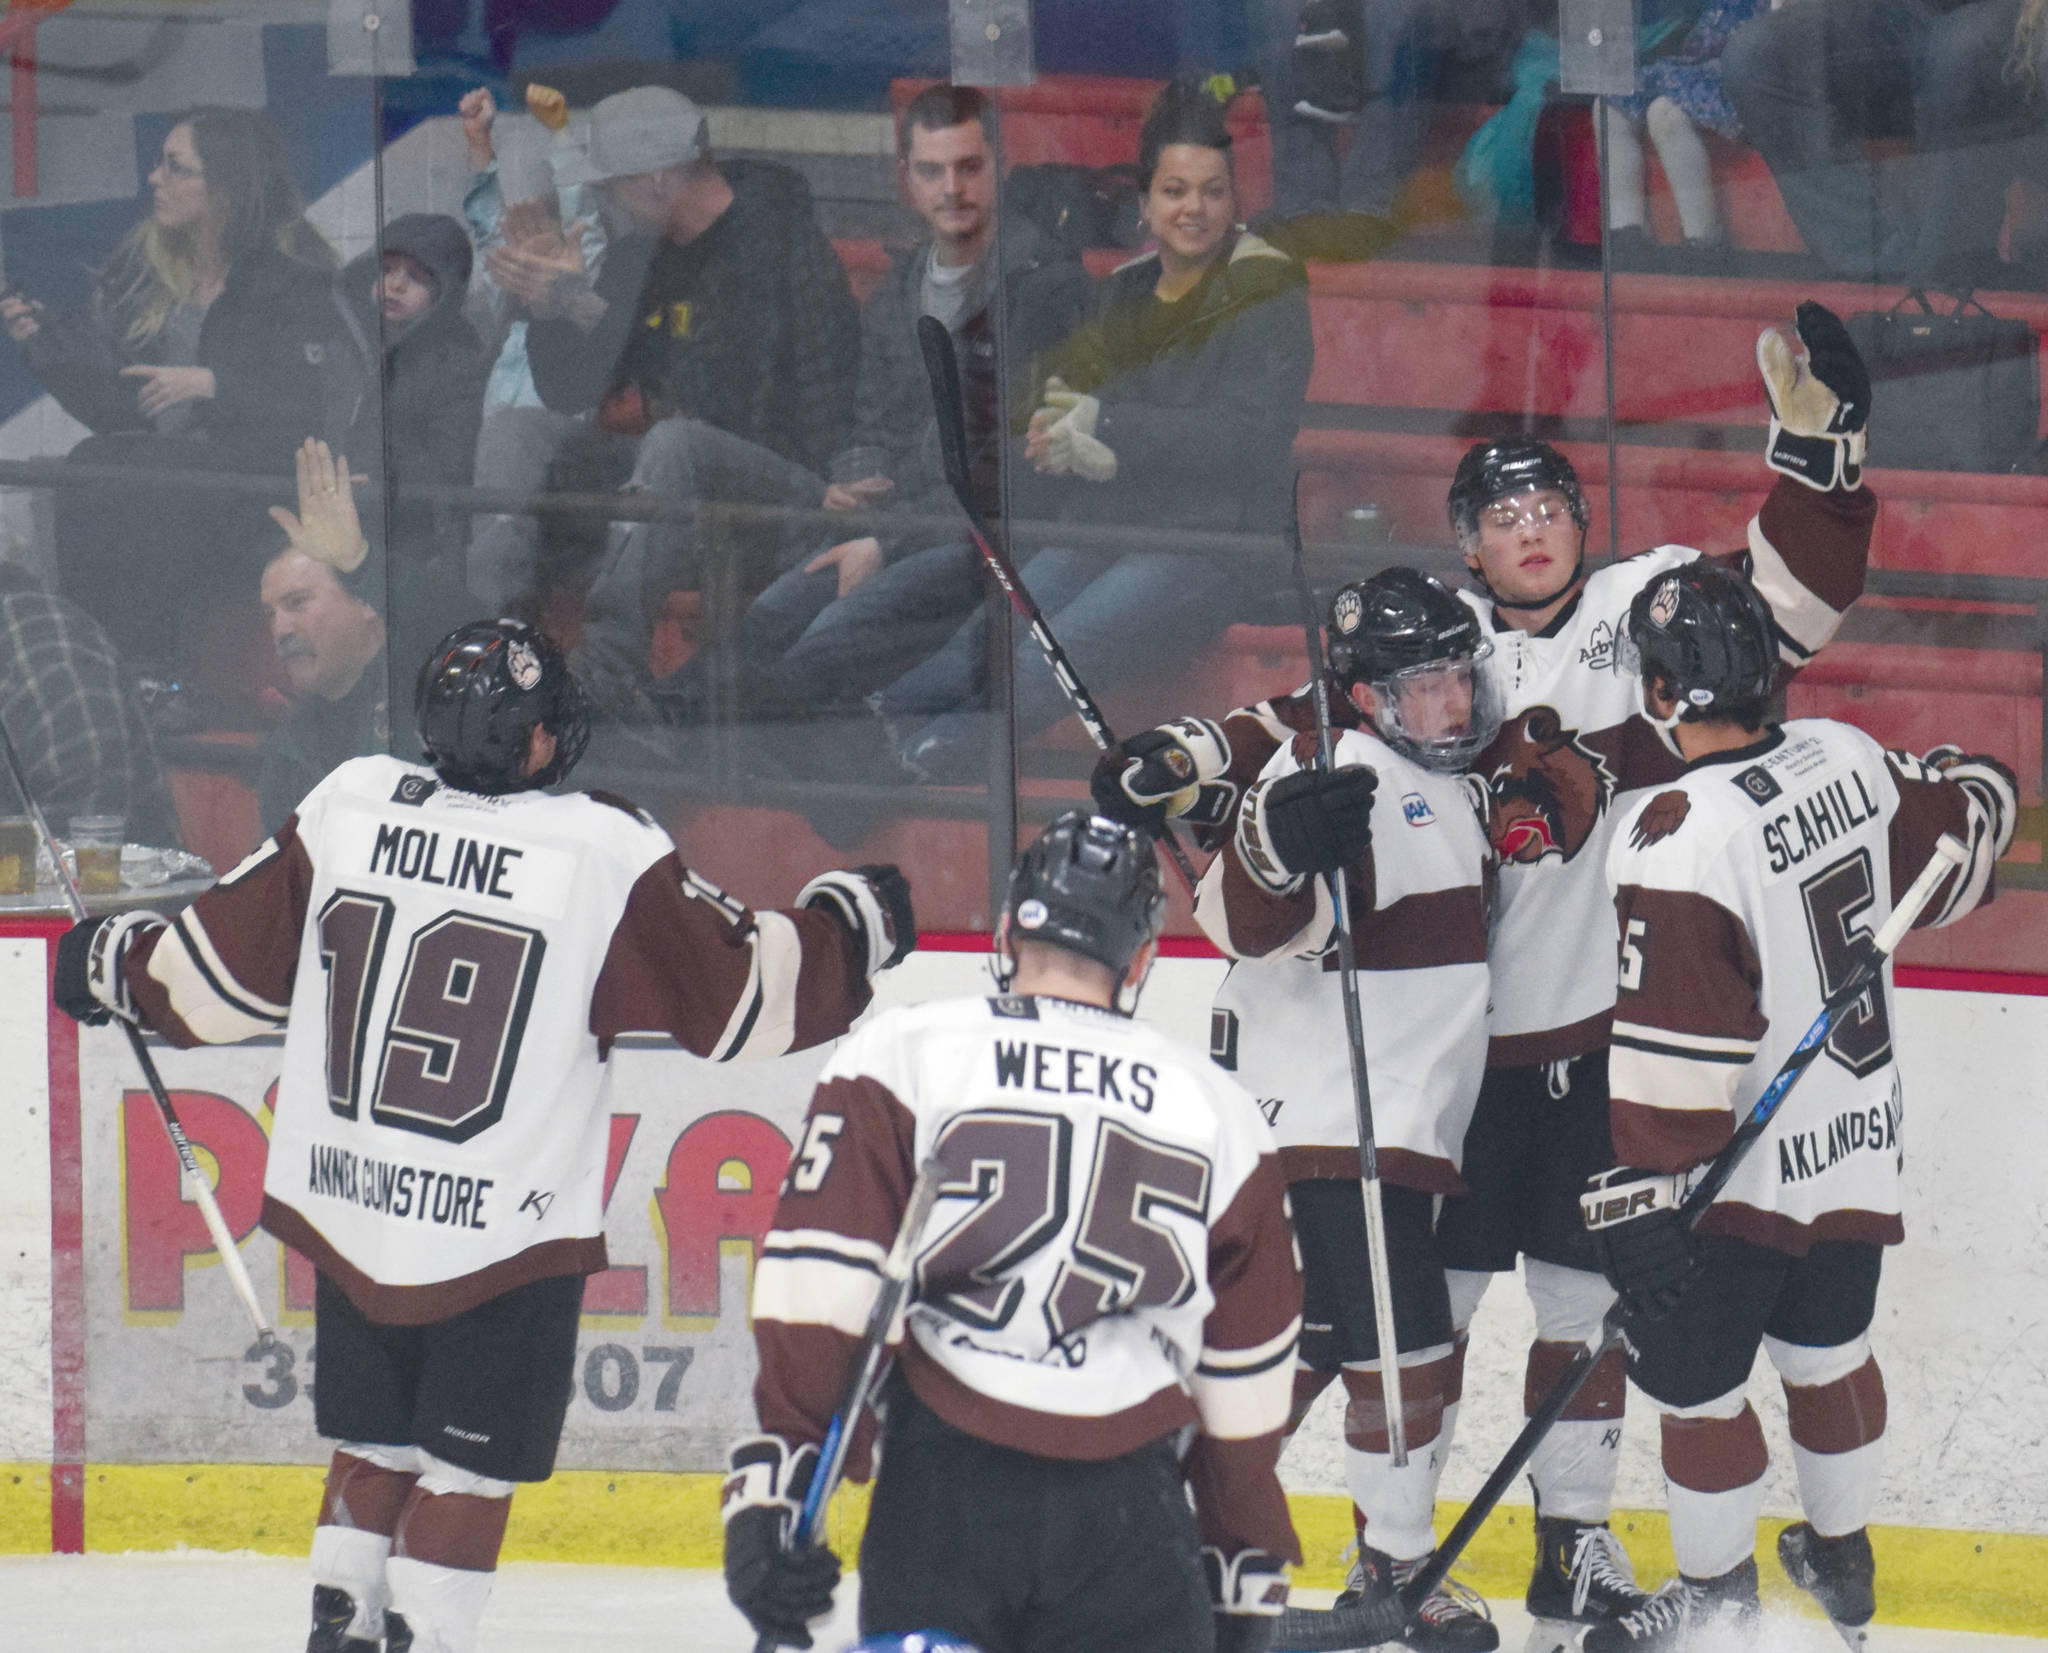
(811, 639)
(719, 344)
(409, 291)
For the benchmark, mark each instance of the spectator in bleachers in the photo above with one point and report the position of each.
(212, 342)
(328, 593)
(418, 425)
(1407, 48)
(813, 639)
(513, 196)
(717, 349)
(69, 709)
(1678, 96)
(1175, 406)
(1814, 80)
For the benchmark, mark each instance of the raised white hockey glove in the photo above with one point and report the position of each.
(1645, 1247)
(1820, 401)
(88, 984)
(782, 1591)
(874, 903)
(1171, 773)
(1072, 448)
(1247, 1591)
(1313, 821)
(1995, 787)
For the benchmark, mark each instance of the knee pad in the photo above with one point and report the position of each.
(1808, 1368)
(1570, 1303)
(439, 1477)
(1426, 1376)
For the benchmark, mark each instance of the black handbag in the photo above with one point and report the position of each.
(1954, 390)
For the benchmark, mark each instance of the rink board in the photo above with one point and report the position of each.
(129, 1386)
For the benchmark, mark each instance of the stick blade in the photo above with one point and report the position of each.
(942, 365)
(1339, 1629)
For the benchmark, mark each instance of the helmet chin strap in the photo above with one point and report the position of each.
(1663, 725)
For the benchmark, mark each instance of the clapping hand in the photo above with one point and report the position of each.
(22, 317)
(542, 273)
(478, 110)
(326, 528)
(166, 387)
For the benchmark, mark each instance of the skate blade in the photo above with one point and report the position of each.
(1553, 1636)
(1856, 1635)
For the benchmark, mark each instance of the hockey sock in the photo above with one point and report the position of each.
(1575, 1466)
(1395, 1507)
(1837, 1421)
(1624, 172)
(1714, 1463)
(367, 1488)
(1682, 152)
(444, 1554)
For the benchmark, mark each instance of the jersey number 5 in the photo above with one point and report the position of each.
(1835, 897)
(452, 1039)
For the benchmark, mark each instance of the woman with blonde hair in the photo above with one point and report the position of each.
(211, 342)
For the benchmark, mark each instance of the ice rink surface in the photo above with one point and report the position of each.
(190, 1602)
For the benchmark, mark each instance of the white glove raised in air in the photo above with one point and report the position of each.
(1820, 401)
(1071, 446)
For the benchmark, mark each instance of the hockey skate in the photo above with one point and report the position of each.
(333, 1612)
(1582, 1576)
(1688, 1613)
(1453, 1620)
(1839, 1573)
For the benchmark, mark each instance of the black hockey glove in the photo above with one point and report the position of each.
(1310, 822)
(1820, 402)
(1645, 1247)
(873, 902)
(1174, 772)
(87, 984)
(1247, 1590)
(781, 1591)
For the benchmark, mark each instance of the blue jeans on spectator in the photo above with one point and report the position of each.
(1811, 81)
(809, 647)
(1117, 615)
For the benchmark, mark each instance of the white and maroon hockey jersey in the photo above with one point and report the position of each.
(1739, 890)
(1573, 743)
(451, 971)
(1418, 900)
(1109, 1259)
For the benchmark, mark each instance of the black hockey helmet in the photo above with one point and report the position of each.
(1401, 617)
(481, 694)
(1396, 633)
(1091, 886)
(1504, 467)
(1707, 634)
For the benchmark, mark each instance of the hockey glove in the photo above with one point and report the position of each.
(873, 902)
(1645, 1247)
(1248, 1591)
(88, 984)
(1171, 773)
(1820, 401)
(1314, 821)
(1995, 787)
(782, 1591)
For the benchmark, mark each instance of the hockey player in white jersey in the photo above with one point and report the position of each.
(1742, 891)
(1571, 746)
(1407, 661)
(451, 950)
(1108, 1271)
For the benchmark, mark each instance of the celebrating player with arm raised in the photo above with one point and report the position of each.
(451, 951)
(1745, 890)
(1108, 1263)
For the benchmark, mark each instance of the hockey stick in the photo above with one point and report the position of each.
(1307, 1630)
(943, 365)
(869, 1367)
(202, 1191)
(1378, 1274)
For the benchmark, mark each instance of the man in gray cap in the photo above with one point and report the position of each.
(717, 348)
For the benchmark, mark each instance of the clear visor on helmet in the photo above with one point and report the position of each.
(1442, 714)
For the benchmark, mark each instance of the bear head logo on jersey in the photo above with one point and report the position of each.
(1546, 789)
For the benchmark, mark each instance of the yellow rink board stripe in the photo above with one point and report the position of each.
(1937, 1578)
